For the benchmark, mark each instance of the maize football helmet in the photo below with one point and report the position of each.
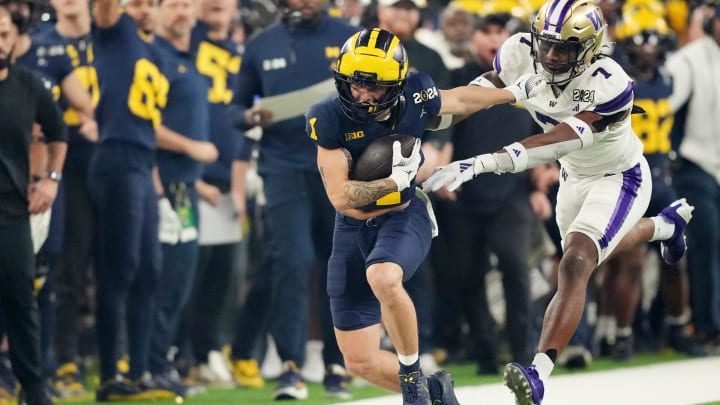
(372, 58)
(567, 35)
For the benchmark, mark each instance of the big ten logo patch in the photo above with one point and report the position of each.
(425, 95)
(351, 136)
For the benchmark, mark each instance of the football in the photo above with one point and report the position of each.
(375, 162)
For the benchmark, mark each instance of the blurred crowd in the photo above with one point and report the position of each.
(244, 224)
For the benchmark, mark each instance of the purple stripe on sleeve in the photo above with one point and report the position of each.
(621, 100)
(562, 15)
(632, 178)
(549, 13)
(496, 61)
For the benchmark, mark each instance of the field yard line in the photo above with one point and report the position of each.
(685, 382)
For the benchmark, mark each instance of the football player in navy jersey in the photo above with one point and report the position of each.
(186, 113)
(121, 179)
(72, 30)
(383, 228)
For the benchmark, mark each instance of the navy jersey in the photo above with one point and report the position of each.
(654, 126)
(186, 111)
(219, 63)
(133, 89)
(49, 62)
(80, 53)
(281, 59)
(331, 129)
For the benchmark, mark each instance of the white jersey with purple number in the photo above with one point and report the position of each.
(603, 88)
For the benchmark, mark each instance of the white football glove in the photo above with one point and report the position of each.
(169, 226)
(527, 86)
(459, 172)
(404, 168)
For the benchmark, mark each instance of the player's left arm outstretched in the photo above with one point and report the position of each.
(459, 102)
(572, 134)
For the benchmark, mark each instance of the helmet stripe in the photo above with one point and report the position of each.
(549, 14)
(562, 15)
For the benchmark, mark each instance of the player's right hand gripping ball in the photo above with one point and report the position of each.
(527, 86)
(404, 168)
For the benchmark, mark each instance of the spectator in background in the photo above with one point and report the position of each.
(23, 102)
(694, 101)
(186, 114)
(125, 189)
(452, 41)
(79, 240)
(294, 53)
(644, 38)
(352, 10)
(220, 190)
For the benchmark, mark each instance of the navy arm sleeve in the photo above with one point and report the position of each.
(248, 87)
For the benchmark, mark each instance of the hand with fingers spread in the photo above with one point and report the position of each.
(527, 86)
(404, 168)
(459, 172)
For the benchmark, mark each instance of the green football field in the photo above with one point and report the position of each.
(464, 376)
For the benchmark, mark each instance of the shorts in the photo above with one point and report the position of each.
(604, 207)
(401, 237)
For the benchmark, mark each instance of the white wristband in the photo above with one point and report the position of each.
(445, 122)
(582, 129)
(518, 155)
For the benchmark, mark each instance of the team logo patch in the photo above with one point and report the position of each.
(351, 136)
(425, 95)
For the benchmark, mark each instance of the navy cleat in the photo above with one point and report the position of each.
(290, 384)
(415, 389)
(447, 387)
(336, 382)
(678, 213)
(525, 383)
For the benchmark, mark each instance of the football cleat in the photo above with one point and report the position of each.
(69, 382)
(447, 386)
(336, 382)
(290, 383)
(678, 213)
(415, 390)
(247, 373)
(525, 384)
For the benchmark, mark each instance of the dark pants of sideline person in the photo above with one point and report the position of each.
(300, 222)
(17, 300)
(74, 263)
(703, 245)
(122, 188)
(179, 263)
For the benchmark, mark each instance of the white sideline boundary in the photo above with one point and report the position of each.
(685, 382)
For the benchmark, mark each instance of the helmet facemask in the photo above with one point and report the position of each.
(561, 60)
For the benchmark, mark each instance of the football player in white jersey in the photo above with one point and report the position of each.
(605, 184)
